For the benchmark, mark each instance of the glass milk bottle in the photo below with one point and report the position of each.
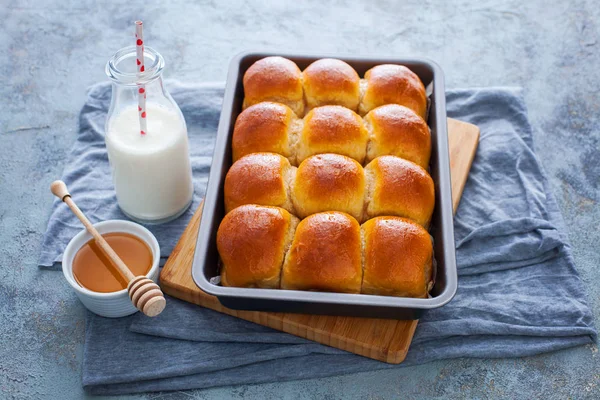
(151, 171)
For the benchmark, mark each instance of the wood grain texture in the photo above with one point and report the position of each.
(381, 339)
(462, 145)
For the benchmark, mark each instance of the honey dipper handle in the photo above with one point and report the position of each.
(59, 189)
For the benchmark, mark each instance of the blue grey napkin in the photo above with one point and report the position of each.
(519, 293)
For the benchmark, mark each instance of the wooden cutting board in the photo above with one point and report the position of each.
(382, 339)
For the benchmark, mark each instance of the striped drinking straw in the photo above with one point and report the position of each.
(139, 47)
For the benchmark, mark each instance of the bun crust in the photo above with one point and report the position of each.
(263, 127)
(398, 258)
(398, 131)
(393, 84)
(325, 255)
(330, 81)
(329, 182)
(274, 79)
(332, 129)
(259, 178)
(252, 241)
(401, 188)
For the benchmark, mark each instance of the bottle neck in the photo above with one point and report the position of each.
(127, 82)
(153, 88)
(127, 96)
(122, 67)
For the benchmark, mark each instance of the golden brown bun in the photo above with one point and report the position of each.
(259, 178)
(397, 257)
(393, 84)
(329, 182)
(399, 187)
(264, 127)
(325, 255)
(252, 241)
(396, 130)
(274, 79)
(332, 129)
(330, 81)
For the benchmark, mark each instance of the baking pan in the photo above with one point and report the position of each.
(206, 258)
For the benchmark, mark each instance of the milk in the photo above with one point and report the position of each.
(151, 173)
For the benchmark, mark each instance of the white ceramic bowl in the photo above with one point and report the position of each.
(114, 304)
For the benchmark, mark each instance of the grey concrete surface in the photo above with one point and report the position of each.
(50, 51)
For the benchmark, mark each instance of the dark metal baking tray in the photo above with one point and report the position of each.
(206, 258)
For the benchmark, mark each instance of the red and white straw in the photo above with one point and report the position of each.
(139, 48)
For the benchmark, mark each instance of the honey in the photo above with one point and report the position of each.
(93, 270)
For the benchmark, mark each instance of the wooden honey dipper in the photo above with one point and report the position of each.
(145, 295)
